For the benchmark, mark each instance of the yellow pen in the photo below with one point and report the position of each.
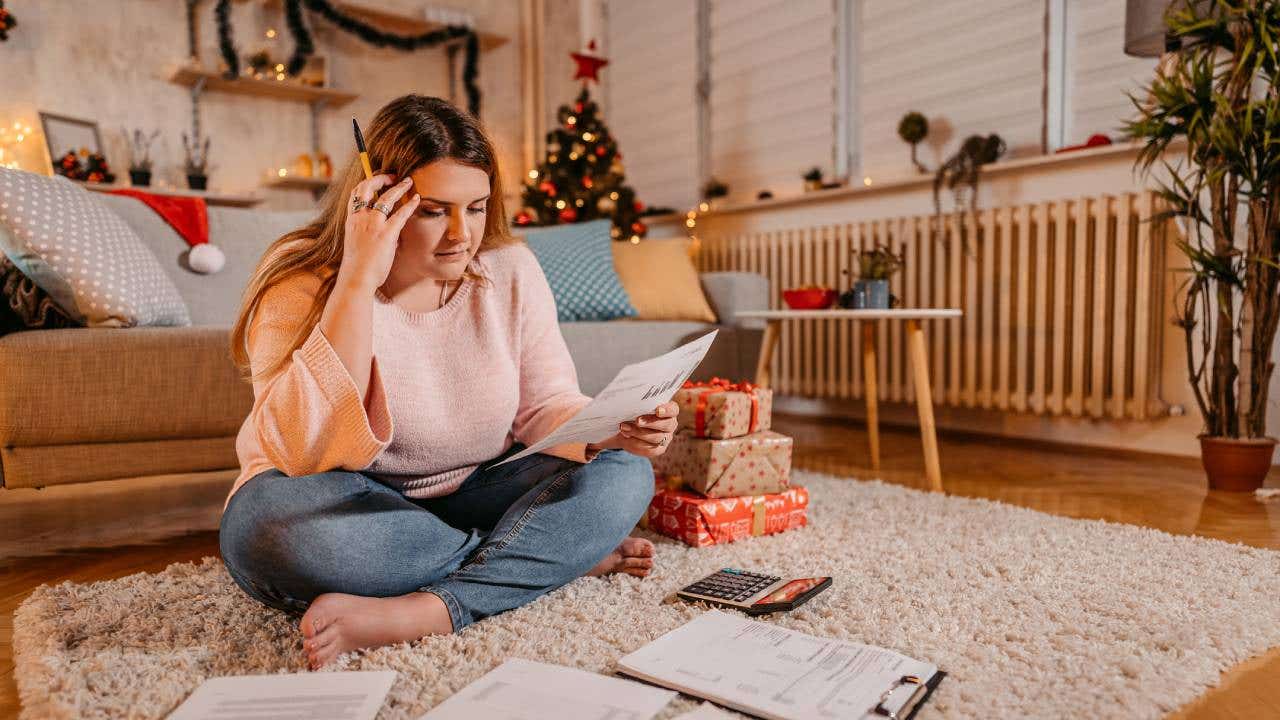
(364, 154)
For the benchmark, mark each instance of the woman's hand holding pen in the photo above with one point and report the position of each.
(372, 230)
(647, 435)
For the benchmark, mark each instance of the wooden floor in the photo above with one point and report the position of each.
(109, 530)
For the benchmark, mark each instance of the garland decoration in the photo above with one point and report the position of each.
(304, 47)
(225, 42)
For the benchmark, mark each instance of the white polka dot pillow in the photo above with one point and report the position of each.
(89, 261)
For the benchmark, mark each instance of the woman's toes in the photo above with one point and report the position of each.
(636, 547)
(314, 620)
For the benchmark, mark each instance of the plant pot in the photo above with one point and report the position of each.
(1236, 464)
(197, 182)
(870, 295)
(810, 185)
(140, 178)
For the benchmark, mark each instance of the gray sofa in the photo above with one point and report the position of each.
(81, 405)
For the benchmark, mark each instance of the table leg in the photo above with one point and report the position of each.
(871, 389)
(924, 405)
(764, 364)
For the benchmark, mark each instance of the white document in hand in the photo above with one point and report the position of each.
(333, 695)
(636, 390)
(527, 690)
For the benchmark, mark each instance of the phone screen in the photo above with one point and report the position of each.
(790, 591)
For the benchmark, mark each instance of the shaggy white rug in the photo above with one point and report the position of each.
(1032, 615)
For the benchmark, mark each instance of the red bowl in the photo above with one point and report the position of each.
(819, 299)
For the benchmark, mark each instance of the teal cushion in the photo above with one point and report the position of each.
(578, 261)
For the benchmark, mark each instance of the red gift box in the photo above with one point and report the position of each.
(700, 521)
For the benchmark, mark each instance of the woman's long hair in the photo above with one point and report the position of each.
(406, 134)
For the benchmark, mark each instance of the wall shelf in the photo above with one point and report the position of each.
(401, 23)
(196, 77)
(212, 198)
(297, 182)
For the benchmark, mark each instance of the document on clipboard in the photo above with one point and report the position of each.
(636, 390)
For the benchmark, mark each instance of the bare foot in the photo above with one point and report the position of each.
(336, 623)
(633, 557)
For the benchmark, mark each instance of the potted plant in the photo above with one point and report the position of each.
(875, 267)
(196, 163)
(813, 179)
(713, 190)
(1219, 92)
(140, 157)
(914, 128)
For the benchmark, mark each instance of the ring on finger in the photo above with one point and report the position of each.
(383, 208)
(357, 204)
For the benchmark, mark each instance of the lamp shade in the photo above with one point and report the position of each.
(1144, 29)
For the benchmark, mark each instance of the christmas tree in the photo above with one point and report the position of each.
(581, 178)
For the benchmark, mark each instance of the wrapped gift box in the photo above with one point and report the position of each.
(700, 521)
(753, 464)
(722, 409)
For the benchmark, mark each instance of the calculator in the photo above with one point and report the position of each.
(753, 593)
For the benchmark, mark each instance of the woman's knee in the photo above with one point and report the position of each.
(274, 523)
(622, 484)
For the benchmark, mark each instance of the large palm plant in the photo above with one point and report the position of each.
(1219, 91)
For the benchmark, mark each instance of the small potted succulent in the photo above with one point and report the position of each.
(140, 157)
(871, 290)
(813, 178)
(197, 161)
(713, 190)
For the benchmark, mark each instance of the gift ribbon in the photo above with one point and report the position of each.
(757, 516)
(715, 386)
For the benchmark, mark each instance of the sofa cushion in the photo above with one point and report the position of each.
(601, 349)
(44, 465)
(93, 265)
(242, 234)
(661, 280)
(578, 262)
(86, 385)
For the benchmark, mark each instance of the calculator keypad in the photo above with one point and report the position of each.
(732, 585)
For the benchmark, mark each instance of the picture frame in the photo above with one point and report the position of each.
(63, 133)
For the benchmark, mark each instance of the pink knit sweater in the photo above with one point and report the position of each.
(448, 389)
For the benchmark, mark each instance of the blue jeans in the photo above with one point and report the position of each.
(506, 536)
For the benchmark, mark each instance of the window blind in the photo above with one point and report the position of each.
(772, 106)
(651, 103)
(970, 68)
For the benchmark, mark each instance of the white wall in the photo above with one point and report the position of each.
(109, 60)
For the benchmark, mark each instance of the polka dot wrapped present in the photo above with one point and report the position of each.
(720, 408)
(700, 521)
(753, 464)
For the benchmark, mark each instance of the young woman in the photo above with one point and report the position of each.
(399, 346)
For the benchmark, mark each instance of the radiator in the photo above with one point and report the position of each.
(1061, 305)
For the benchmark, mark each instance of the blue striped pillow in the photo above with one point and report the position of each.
(577, 259)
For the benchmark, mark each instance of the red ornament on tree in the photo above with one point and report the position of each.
(639, 206)
(577, 107)
(522, 218)
(600, 150)
(568, 215)
(638, 227)
(588, 65)
(586, 181)
(548, 187)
